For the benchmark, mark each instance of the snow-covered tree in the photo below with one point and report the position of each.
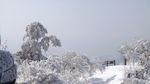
(36, 41)
(76, 62)
(139, 55)
(71, 68)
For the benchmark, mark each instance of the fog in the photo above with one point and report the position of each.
(95, 27)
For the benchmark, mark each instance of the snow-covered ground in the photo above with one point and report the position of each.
(112, 75)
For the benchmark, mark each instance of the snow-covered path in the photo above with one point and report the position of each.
(112, 75)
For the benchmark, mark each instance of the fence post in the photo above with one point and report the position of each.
(107, 63)
(125, 61)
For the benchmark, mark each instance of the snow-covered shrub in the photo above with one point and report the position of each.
(135, 81)
(36, 41)
(137, 54)
(72, 68)
(78, 66)
(74, 62)
(37, 72)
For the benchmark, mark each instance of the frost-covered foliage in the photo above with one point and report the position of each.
(135, 81)
(37, 72)
(78, 66)
(137, 54)
(72, 68)
(74, 62)
(36, 41)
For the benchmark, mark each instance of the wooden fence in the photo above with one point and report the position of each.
(113, 62)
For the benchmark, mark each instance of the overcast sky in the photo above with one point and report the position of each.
(94, 27)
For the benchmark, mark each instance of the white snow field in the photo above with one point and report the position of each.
(112, 75)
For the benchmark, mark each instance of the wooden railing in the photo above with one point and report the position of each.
(107, 63)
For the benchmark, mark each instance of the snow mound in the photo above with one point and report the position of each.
(112, 75)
